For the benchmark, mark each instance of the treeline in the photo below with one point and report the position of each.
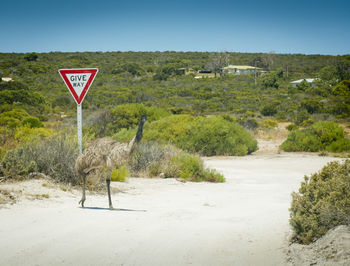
(153, 78)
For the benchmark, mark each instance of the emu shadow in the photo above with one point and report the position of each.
(108, 209)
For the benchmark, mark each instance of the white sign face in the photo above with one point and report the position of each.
(78, 81)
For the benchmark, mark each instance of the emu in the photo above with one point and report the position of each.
(106, 153)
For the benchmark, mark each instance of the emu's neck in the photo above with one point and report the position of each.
(136, 139)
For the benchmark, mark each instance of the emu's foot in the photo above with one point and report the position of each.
(111, 207)
(82, 202)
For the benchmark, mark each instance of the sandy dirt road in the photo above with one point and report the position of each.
(163, 221)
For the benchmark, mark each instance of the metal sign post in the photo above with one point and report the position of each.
(78, 81)
(80, 128)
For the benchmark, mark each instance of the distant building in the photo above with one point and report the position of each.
(6, 79)
(186, 71)
(241, 70)
(310, 81)
(204, 74)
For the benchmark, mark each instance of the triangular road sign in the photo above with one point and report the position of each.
(78, 81)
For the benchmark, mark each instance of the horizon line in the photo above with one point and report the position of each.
(172, 51)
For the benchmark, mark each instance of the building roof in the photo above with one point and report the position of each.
(301, 80)
(6, 79)
(240, 67)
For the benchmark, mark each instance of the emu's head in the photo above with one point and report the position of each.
(143, 119)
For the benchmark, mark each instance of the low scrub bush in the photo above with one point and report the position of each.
(216, 136)
(54, 157)
(32, 122)
(207, 136)
(318, 137)
(248, 123)
(148, 153)
(110, 121)
(292, 127)
(307, 123)
(191, 168)
(342, 89)
(323, 202)
(128, 115)
(153, 159)
(27, 134)
(269, 110)
(301, 117)
(18, 117)
(270, 123)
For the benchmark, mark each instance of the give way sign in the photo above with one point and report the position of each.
(78, 81)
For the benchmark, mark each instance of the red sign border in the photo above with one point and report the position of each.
(64, 72)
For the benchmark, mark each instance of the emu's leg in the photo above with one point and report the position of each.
(108, 180)
(83, 197)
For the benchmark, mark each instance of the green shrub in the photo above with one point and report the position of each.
(27, 134)
(271, 80)
(342, 89)
(270, 123)
(318, 137)
(127, 116)
(303, 86)
(269, 110)
(312, 106)
(340, 145)
(292, 127)
(13, 118)
(216, 136)
(153, 159)
(120, 174)
(19, 117)
(2, 153)
(31, 56)
(208, 136)
(323, 202)
(307, 123)
(248, 123)
(171, 129)
(191, 168)
(32, 122)
(147, 153)
(301, 117)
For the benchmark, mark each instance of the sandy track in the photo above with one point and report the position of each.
(163, 221)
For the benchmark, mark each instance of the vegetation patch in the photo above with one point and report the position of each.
(208, 136)
(120, 174)
(323, 202)
(54, 157)
(319, 136)
(153, 159)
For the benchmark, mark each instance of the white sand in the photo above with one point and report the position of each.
(163, 221)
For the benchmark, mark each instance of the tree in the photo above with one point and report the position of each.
(328, 73)
(218, 61)
(31, 57)
(303, 86)
(342, 65)
(342, 89)
(312, 106)
(268, 60)
(271, 80)
(269, 110)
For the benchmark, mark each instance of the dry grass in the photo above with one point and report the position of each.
(346, 127)
(278, 133)
(7, 196)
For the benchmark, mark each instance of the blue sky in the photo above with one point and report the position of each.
(284, 26)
